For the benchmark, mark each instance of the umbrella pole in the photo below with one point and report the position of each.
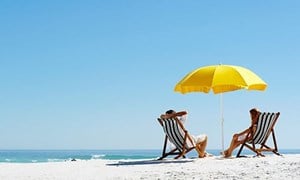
(222, 120)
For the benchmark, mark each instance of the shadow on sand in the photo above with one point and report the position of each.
(145, 162)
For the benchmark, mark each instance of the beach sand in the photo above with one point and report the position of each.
(269, 167)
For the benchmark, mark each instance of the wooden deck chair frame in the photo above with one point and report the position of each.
(265, 127)
(178, 135)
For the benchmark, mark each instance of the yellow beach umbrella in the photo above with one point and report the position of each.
(220, 79)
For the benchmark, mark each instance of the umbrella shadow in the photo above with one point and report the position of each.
(145, 162)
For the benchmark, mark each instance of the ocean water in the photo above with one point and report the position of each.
(34, 156)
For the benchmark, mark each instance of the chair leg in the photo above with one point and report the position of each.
(181, 154)
(238, 154)
(275, 143)
(163, 155)
(275, 151)
(172, 152)
(267, 148)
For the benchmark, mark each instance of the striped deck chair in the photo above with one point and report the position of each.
(265, 127)
(177, 135)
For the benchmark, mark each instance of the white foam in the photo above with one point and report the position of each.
(98, 156)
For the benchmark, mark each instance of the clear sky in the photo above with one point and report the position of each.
(96, 74)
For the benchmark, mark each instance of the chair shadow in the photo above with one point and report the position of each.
(145, 162)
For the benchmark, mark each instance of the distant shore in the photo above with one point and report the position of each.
(286, 166)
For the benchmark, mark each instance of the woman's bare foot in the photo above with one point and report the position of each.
(225, 154)
(202, 155)
(205, 154)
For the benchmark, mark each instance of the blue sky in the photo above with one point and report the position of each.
(97, 74)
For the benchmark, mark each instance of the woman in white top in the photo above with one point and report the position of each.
(200, 140)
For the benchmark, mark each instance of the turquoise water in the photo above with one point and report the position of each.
(32, 156)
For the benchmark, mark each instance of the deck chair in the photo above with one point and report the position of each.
(177, 135)
(265, 127)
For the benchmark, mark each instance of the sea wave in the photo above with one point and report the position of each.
(98, 156)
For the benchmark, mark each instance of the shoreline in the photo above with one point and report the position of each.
(286, 166)
(36, 156)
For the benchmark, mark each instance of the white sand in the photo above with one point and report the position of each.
(270, 167)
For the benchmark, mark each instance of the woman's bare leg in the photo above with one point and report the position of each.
(200, 147)
(235, 142)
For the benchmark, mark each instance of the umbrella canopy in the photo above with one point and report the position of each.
(220, 79)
